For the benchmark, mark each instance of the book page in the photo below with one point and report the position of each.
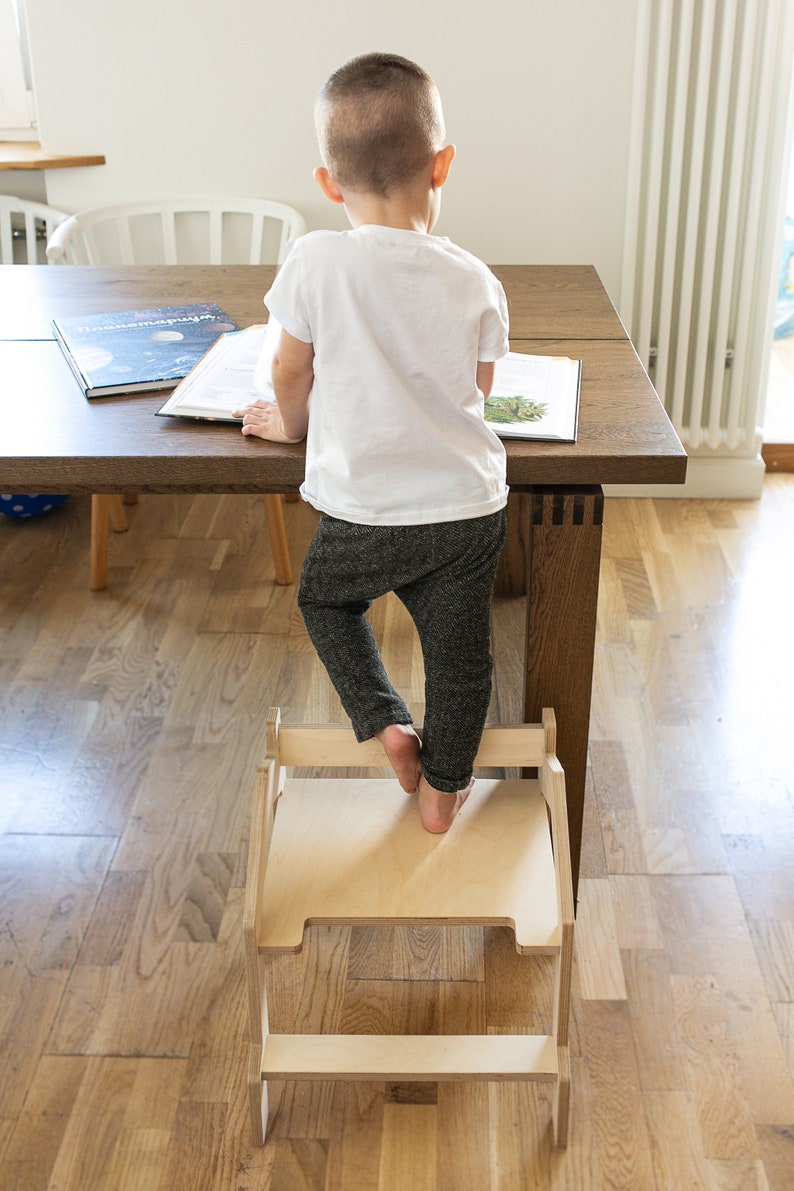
(227, 378)
(534, 397)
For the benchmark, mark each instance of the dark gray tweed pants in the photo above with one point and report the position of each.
(443, 573)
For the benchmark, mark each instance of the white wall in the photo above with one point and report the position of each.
(185, 95)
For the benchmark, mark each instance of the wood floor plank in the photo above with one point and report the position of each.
(463, 1144)
(48, 890)
(356, 1135)
(774, 944)
(622, 1140)
(408, 1149)
(195, 1148)
(784, 1017)
(299, 1166)
(519, 1116)
(777, 1153)
(416, 953)
(34, 1137)
(518, 988)
(767, 1080)
(598, 971)
(620, 825)
(636, 923)
(87, 1150)
(139, 1158)
(712, 1065)
(678, 1158)
(654, 1025)
(705, 931)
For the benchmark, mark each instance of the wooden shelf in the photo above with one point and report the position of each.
(29, 155)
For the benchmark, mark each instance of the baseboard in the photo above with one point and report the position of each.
(778, 456)
(713, 478)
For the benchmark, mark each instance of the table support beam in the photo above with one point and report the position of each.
(564, 553)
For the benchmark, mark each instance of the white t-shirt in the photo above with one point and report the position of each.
(398, 321)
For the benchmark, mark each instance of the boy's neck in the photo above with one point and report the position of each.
(414, 207)
(405, 209)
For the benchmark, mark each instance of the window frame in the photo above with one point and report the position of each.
(17, 103)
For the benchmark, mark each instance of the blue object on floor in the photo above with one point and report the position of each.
(784, 312)
(29, 505)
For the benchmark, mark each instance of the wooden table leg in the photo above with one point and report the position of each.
(564, 540)
(511, 573)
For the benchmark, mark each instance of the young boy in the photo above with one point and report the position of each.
(393, 334)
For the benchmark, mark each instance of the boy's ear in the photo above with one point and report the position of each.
(441, 163)
(327, 185)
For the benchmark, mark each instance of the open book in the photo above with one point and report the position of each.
(532, 397)
(234, 373)
(535, 397)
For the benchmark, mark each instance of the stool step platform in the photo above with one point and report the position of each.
(414, 1057)
(352, 850)
(355, 851)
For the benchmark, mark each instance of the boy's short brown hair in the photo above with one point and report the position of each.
(379, 123)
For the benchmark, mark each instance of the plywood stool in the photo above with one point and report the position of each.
(353, 850)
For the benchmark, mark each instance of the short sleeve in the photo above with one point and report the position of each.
(494, 325)
(286, 298)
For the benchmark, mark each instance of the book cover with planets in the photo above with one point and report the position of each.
(133, 350)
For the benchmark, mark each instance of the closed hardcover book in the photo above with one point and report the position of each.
(136, 350)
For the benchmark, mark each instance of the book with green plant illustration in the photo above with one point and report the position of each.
(535, 397)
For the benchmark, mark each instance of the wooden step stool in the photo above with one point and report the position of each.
(353, 850)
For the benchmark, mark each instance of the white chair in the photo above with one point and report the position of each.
(198, 230)
(24, 227)
(194, 230)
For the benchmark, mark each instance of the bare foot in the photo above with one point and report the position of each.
(439, 809)
(402, 748)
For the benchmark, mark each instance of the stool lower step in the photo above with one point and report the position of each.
(409, 1057)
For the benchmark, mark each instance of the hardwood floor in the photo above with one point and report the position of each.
(130, 725)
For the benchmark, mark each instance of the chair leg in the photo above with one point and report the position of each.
(274, 514)
(100, 520)
(118, 518)
(105, 510)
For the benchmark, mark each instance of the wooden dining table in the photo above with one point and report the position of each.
(54, 440)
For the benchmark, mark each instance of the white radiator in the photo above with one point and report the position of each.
(708, 144)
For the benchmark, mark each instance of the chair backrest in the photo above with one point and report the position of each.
(198, 230)
(25, 228)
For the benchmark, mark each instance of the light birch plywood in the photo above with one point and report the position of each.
(331, 852)
(366, 858)
(408, 1057)
(504, 746)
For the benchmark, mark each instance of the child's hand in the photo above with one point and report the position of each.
(264, 420)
